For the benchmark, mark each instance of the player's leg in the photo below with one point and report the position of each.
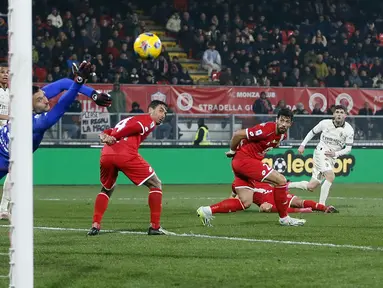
(257, 171)
(305, 185)
(282, 203)
(325, 189)
(108, 177)
(141, 173)
(297, 202)
(5, 199)
(241, 199)
(268, 204)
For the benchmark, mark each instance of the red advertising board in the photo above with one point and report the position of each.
(238, 100)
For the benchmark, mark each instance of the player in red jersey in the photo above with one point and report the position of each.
(247, 148)
(121, 154)
(263, 197)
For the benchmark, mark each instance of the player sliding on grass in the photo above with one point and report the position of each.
(44, 117)
(263, 197)
(247, 148)
(121, 154)
(336, 140)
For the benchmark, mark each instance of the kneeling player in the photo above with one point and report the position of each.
(121, 154)
(263, 197)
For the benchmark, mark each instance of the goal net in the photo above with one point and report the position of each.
(20, 147)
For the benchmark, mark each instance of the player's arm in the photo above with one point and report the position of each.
(55, 88)
(47, 120)
(252, 134)
(4, 117)
(316, 130)
(347, 149)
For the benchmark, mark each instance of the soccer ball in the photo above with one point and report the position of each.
(147, 45)
(280, 165)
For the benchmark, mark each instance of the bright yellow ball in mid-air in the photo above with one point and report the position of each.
(147, 46)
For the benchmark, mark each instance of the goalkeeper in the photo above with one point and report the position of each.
(44, 117)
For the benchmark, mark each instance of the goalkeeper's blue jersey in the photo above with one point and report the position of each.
(42, 122)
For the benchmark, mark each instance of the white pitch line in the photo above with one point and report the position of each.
(189, 198)
(272, 241)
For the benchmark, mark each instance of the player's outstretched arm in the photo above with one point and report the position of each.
(47, 120)
(235, 140)
(55, 88)
(316, 130)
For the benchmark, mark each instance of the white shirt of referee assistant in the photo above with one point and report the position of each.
(4, 104)
(338, 139)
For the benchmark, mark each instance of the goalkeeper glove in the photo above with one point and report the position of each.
(82, 72)
(101, 99)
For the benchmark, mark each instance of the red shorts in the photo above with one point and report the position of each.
(250, 169)
(263, 192)
(134, 167)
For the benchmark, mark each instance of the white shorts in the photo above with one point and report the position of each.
(322, 164)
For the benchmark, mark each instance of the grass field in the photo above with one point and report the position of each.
(338, 250)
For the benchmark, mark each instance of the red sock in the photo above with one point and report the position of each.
(227, 206)
(281, 201)
(100, 207)
(155, 205)
(314, 205)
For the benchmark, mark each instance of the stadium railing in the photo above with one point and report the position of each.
(181, 129)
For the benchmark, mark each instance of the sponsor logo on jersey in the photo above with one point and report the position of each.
(292, 164)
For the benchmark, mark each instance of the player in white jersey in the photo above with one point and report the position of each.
(4, 106)
(336, 140)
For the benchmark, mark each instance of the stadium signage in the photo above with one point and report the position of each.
(292, 164)
(238, 100)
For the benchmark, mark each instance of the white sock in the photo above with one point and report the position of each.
(299, 185)
(6, 198)
(325, 189)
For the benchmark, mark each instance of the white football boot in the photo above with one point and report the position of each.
(289, 221)
(205, 215)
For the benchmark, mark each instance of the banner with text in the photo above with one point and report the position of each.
(94, 122)
(236, 100)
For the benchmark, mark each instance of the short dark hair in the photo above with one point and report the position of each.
(155, 103)
(35, 89)
(341, 107)
(4, 64)
(285, 112)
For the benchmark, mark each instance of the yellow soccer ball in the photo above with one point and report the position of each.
(147, 46)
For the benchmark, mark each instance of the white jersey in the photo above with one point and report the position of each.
(4, 104)
(334, 138)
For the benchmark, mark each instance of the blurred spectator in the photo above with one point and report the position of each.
(354, 79)
(280, 105)
(184, 77)
(3, 27)
(136, 108)
(202, 135)
(211, 59)
(55, 18)
(174, 23)
(365, 124)
(72, 123)
(262, 105)
(118, 104)
(317, 109)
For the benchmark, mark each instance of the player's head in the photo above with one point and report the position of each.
(157, 110)
(339, 114)
(4, 73)
(284, 120)
(40, 101)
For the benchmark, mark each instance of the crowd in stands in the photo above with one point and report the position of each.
(318, 43)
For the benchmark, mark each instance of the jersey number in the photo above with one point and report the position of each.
(121, 125)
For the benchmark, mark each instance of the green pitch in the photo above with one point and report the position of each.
(69, 259)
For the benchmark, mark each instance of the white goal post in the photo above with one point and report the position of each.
(20, 63)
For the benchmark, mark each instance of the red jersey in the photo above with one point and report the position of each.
(129, 134)
(259, 140)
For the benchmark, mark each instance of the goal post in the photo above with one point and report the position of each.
(20, 147)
